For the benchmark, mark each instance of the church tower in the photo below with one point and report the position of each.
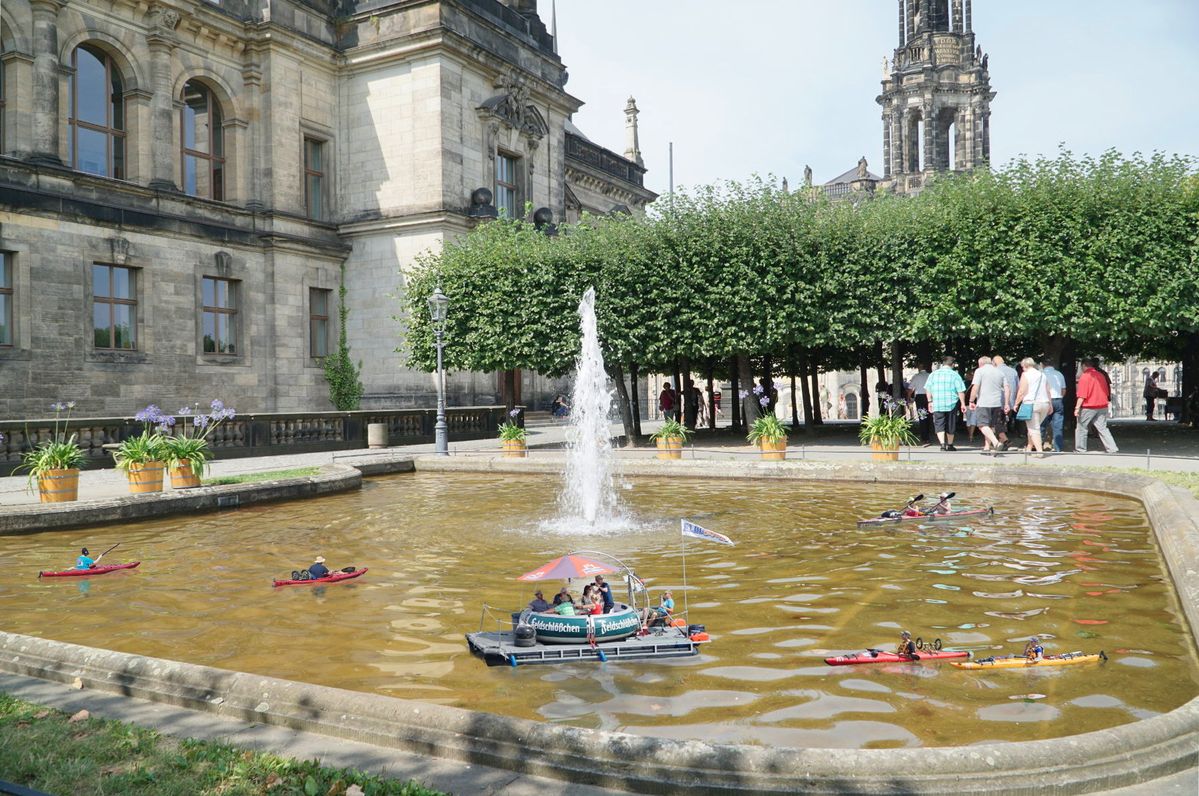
(936, 96)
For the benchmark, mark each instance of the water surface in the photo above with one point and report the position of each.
(802, 583)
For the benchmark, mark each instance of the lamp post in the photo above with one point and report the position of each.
(439, 304)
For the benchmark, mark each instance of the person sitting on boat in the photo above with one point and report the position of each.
(564, 605)
(84, 561)
(592, 603)
(317, 568)
(942, 506)
(1033, 649)
(909, 510)
(653, 616)
(906, 645)
(538, 603)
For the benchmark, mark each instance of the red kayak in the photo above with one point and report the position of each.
(87, 573)
(879, 656)
(333, 577)
(953, 515)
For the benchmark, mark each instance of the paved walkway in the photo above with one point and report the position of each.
(1160, 446)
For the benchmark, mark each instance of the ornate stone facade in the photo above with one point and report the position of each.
(936, 95)
(185, 184)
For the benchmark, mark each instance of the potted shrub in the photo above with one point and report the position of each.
(186, 451)
(884, 433)
(670, 438)
(770, 435)
(54, 463)
(512, 437)
(141, 457)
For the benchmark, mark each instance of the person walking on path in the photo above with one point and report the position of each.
(1034, 390)
(945, 393)
(667, 402)
(1012, 379)
(989, 395)
(1057, 419)
(918, 395)
(1150, 394)
(1092, 408)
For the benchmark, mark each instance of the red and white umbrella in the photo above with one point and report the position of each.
(572, 566)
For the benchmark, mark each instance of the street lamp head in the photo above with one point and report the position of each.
(439, 304)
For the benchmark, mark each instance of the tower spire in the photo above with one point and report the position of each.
(632, 149)
(554, 23)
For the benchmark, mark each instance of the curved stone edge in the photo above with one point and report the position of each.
(37, 517)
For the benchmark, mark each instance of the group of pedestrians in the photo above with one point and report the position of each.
(1000, 397)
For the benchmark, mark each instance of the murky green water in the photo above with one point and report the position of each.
(802, 583)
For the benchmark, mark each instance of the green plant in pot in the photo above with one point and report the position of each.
(670, 438)
(141, 457)
(187, 451)
(511, 430)
(886, 431)
(767, 428)
(53, 464)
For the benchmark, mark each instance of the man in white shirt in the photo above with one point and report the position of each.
(1056, 383)
(991, 399)
(1012, 385)
(917, 394)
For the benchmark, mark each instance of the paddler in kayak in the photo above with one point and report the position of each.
(1033, 650)
(906, 645)
(317, 568)
(943, 505)
(909, 510)
(84, 561)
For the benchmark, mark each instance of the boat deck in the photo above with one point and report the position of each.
(499, 648)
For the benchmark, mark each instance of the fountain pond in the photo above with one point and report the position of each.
(1080, 570)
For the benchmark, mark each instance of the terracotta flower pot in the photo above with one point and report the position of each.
(58, 486)
(514, 448)
(145, 477)
(883, 453)
(773, 450)
(669, 447)
(182, 477)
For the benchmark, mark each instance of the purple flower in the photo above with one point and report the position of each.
(514, 413)
(151, 414)
(226, 414)
(742, 394)
(217, 405)
(1, 438)
(764, 401)
(185, 411)
(757, 389)
(200, 421)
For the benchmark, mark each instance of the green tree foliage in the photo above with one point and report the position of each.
(1101, 253)
(342, 373)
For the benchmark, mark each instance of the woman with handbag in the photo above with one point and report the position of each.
(1035, 405)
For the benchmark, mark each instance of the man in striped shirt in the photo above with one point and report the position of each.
(946, 392)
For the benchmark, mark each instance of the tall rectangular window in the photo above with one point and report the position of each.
(219, 311)
(318, 321)
(506, 194)
(114, 307)
(314, 178)
(6, 300)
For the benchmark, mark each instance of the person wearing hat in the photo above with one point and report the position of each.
(318, 568)
(1033, 649)
(906, 645)
(538, 603)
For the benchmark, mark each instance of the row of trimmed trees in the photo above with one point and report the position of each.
(1060, 258)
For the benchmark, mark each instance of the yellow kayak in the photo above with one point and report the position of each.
(1020, 662)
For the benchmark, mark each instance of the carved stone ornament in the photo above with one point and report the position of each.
(224, 262)
(512, 106)
(120, 250)
(164, 19)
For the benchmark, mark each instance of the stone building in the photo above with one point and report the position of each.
(936, 96)
(185, 185)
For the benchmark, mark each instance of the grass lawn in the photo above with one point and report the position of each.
(44, 749)
(270, 475)
(1172, 477)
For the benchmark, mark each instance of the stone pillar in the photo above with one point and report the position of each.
(886, 144)
(897, 133)
(908, 18)
(987, 136)
(930, 138)
(957, 16)
(968, 15)
(632, 148)
(161, 41)
(924, 17)
(45, 114)
(902, 22)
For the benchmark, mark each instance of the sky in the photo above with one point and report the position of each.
(747, 87)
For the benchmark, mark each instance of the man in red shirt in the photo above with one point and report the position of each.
(1092, 407)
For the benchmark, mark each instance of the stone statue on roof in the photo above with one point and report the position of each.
(862, 168)
(807, 176)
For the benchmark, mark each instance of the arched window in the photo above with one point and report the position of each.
(96, 114)
(203, 144)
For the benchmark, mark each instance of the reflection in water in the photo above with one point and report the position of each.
(802, 583)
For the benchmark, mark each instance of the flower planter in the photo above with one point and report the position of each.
(670, 447)
(58, 486)
(514, 448)
(182, 477)
(773, 450)
(884, 453)
(145, 477)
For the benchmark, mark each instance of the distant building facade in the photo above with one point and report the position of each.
(186, 185)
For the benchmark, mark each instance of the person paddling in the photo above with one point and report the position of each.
(85, 561)
(318, 569)
(909, 510)
(1033, 649)
(906, 646)
(943, 506)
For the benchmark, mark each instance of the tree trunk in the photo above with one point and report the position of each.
(622, 403)
(678, 391)
(897, 372)
(711, 396)
(864, 404)
(1069, 369)
(813, 378)
(806, 390)
(636, 401)
(751, 410)
(510, 390)
(735, 389)
(1190, 380)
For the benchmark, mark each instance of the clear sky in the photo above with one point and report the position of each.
(766, 86)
